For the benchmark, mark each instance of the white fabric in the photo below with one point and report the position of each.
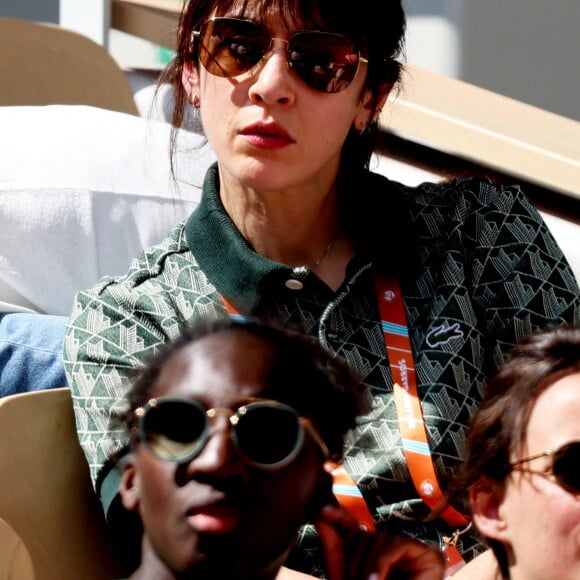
(82, 191)
(567, 234)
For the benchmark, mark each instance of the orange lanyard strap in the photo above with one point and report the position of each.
(349, 496)
(410, 415)
(232, 310)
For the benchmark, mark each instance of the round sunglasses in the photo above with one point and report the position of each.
(268, 435)
(325, 61)
(565, 466)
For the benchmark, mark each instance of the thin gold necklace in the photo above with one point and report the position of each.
(300, 272)
(324, 253)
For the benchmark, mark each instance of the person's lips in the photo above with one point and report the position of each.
(267, 135)
(214, 518)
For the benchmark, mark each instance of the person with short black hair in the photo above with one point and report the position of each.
(229, 434)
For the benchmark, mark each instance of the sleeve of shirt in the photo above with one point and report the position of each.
(111, 334)
(117, 326)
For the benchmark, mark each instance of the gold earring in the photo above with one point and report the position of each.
(196, 102)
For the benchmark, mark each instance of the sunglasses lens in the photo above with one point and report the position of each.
(174, 430)
(230, 47)
(268, 435)
(566, 467)
(324, 61)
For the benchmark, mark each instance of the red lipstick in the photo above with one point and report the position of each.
(267, 136)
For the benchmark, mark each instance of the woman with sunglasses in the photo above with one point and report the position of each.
(294, 228)
(229, 434)
(522, 470)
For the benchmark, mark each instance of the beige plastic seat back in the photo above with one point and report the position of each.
(43, 64)
(50, 515)
(15, 561)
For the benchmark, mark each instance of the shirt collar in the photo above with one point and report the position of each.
(237, 272)
(378, 223)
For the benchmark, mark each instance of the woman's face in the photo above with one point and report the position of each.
(539, 520)
(215, 515)
(270, 131)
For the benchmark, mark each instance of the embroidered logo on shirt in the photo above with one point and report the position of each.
(443, 334)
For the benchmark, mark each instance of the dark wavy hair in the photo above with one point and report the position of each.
(498, 429)
(377, 26)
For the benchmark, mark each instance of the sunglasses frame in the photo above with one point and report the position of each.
(555, 455)
(234, 417)
(258, 25)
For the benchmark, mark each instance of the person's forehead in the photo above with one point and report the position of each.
(554, 417)
(226, 366)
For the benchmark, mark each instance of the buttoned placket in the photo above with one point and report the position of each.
(325, 331)
(324, 327)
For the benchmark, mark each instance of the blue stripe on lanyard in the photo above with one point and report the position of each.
(242, 318)
(346, 490)
(416, 447)
(393, 328)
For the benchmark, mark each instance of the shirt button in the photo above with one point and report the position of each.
(293, 284)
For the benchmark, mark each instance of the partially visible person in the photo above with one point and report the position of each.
(522, 470)
(22, 334)
(294, 228)
(229, 434)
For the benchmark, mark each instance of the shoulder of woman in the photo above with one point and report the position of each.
(161, 282)
(464, 197)
(148, 265)
(482, 191)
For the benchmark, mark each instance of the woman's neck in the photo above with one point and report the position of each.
(296, 228)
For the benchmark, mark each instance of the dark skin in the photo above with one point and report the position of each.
(218, 517)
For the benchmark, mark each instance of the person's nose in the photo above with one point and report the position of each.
(219, 456)
(273, 82)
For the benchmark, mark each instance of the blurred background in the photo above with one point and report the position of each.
(525, 49)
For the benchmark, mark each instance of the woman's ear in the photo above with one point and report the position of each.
(384, 92)
(486, 499)
(190, 81)
(370, 111)
(129, 486)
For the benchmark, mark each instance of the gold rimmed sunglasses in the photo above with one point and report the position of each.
(325, 61)
(268, 435)
(565, 466)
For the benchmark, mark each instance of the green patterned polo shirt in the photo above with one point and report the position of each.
(479, 271)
